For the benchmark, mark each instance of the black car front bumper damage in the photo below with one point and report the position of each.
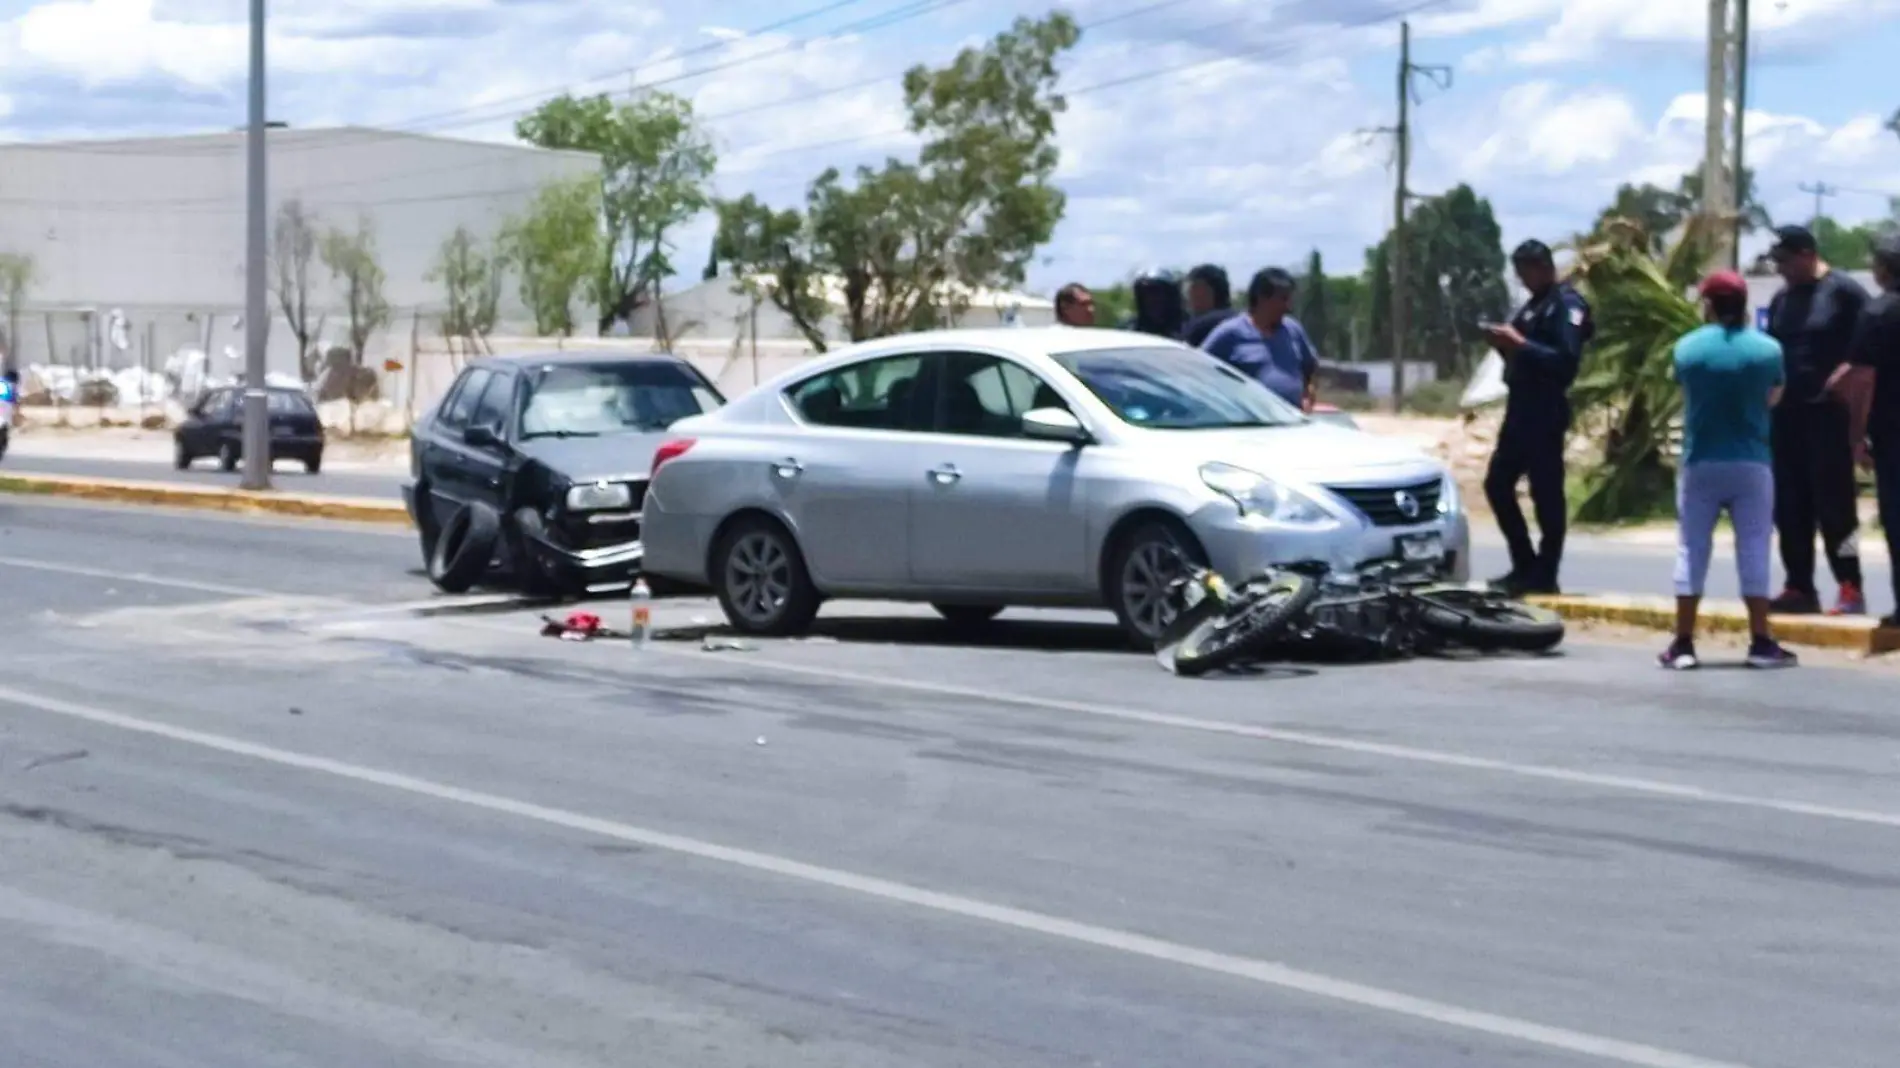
(586, 553)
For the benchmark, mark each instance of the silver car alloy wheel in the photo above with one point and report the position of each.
(759, 577)
(1146, 577)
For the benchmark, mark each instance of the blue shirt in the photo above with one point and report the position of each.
(1726, 377)
(1282, 362)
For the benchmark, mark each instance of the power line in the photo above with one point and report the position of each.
(421, 124)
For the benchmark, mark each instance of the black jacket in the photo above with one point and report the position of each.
(1815, 325)
(1556, 325)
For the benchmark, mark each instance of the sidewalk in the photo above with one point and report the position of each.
(134, 446)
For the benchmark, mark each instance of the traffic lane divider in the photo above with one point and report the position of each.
(1859, 634)
(206, 498)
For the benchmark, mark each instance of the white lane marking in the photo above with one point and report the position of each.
(1267, 973)
(136, 577)
(1438, 757)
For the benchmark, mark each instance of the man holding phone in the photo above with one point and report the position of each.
(1542, 347)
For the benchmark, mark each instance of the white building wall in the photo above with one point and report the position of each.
(156, 227)
(711, 310)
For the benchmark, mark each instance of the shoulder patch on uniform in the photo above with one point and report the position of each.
(1576, 316)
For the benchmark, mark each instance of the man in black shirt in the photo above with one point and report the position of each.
(1542, 348)
(1876, 351)
(1210, 302)
(1814, 317)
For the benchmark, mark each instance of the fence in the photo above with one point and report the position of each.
(141, 366)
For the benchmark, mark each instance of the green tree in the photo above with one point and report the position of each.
(554, 250)
(1848, 247)
(1658, 212)
(1314, 303)
(905, 243)
(471, 279)
(352, 260)
(656, 166)
(1454, 278)
(1114, 304)
(16, 277)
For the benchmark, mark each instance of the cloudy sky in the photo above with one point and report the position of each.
(1223, 130)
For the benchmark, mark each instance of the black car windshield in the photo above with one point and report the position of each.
(284, 402)
(588, 400)
(1177, 389)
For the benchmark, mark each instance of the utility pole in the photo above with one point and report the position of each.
(1740, 55)
(257, 248)
(1716, 181)
(1821, 191)
(1400, 196)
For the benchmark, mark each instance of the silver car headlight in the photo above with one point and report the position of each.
(1448, 499)
(599, 497)
(1256, 494)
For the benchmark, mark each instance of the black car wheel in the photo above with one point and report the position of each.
(464, 548)
(531, 575)
(313, 463)
(228, 456)
(1141, 573)
(181, 456)
(761, 580)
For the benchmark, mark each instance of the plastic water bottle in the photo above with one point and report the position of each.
(641, 597)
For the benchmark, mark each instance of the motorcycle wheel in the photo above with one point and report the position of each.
(1488, 623)
(1249, 620)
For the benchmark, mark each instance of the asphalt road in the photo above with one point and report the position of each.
(256, 808)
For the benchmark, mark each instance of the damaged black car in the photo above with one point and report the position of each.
(537, 466)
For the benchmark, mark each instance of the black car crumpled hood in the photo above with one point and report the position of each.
(610, 457)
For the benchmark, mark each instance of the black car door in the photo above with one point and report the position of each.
(485, 463)
(217, 421)
(443, 463)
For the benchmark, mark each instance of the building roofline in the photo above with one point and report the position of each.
(287, 134)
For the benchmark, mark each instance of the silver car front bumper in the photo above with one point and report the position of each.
(1240, 547)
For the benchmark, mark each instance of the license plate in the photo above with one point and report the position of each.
(1421, 548)
(281, 431)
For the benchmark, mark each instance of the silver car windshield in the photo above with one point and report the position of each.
(589, 400)
(1177, 389)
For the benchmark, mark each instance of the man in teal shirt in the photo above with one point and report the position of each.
(1732, 375)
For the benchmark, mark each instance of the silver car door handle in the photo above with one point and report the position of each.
(788, 468)
(945, 475)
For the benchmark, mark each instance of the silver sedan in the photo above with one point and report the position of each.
(976, 470)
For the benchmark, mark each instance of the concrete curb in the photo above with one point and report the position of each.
(208, 498)
(1860, 635)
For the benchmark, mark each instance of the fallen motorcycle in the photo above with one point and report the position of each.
(1385, 610)
(1217, 625)
(1389, 610)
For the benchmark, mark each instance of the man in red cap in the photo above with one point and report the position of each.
(1732, 376)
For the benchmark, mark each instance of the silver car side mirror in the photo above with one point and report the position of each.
(1055, 424)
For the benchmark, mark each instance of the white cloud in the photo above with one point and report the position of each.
(1583, 30)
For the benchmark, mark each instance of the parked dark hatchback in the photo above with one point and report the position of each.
(215, 427)
(545, 458)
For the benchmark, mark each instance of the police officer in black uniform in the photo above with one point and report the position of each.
(1542, 348)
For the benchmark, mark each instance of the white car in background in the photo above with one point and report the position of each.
(976, 470)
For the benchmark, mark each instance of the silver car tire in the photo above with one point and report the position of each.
(761, 581)
(1139, 573)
